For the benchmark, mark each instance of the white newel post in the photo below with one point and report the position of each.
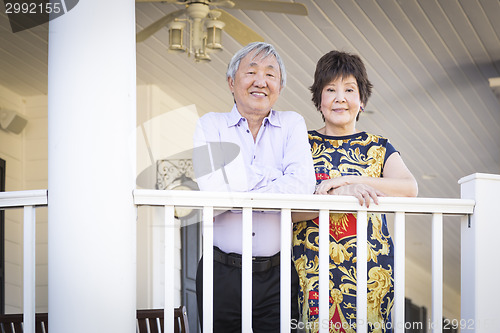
(91, 111)
(480, 269)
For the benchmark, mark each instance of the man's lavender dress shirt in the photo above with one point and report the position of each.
(278, 161)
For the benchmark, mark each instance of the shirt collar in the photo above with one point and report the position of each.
(234, 117)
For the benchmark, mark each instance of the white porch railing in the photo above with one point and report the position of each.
(480, 230)
(208, 201)
(28, 200)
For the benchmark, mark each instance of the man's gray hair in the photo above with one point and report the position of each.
(261, 49)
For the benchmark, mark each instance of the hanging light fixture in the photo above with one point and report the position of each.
(205, 32)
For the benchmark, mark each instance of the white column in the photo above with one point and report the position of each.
(480, 269)
(92, 231)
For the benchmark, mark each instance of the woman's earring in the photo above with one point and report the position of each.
(361, 108)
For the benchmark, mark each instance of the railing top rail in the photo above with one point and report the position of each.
(231, 200)
(17, 199)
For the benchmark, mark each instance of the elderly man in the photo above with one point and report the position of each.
(274, 156)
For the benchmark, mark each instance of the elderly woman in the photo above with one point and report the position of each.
(348, 161)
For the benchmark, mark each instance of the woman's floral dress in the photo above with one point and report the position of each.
(360, 154)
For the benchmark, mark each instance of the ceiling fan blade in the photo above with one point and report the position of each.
(271, 6)
(154, 27)
(238, 30)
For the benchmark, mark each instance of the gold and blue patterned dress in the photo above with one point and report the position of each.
(359, 154)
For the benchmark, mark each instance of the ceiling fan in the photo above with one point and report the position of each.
(206, 24)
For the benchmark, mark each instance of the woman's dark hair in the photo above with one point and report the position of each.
(336, 64)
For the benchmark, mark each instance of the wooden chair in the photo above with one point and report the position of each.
(12, 323)
(154, 317)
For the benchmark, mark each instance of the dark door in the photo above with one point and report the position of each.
(191, 249)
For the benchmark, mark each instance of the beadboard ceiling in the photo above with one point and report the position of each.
(429, 60)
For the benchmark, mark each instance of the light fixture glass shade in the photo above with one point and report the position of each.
(176, 36)
(214, 34)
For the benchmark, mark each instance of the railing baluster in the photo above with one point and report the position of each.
(285, 267)
(399, 272)
(246, 271)
(29, 269)
(324, 271)
(437, 272)
(208, 265)
(361, 268)
(169, 250)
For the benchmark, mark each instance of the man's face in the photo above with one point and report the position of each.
(256, 85)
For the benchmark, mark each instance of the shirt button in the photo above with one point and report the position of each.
(253, 233)
(248, 131)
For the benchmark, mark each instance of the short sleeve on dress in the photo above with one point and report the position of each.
(389, 150)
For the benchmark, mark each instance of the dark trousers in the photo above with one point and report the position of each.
(265, 298)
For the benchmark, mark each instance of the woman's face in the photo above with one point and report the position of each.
(340, 104)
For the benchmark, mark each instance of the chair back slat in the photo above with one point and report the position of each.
(153, 325)
(181, 320)
(18, 327)
(142, 324)
(41, 323)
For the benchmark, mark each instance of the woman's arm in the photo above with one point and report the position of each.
(397, 181)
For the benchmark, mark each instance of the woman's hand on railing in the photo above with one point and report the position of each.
(364, 193)
(351, 185)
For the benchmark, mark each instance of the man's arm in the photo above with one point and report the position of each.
(298, 171)
(214, 160)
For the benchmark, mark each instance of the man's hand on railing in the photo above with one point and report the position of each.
(329, 184)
